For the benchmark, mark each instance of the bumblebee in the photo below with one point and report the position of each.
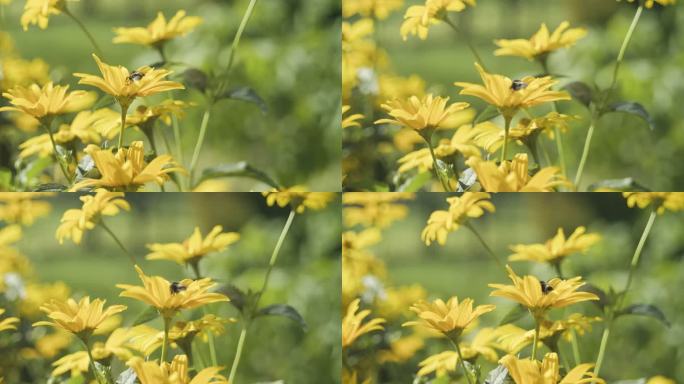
(135, 76)
(545, 288)
(177, 287)
(518, 85)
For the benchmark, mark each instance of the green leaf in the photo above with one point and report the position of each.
(486, 114)
(283, 310)
(127, 377)
(195, 78)
(515, 314)
(627, 184)
(645, 310)
(581, 92)
(498, 375)
(246, 94)
(35, 168)
(241, 169)
(50, 187)
(237, 297)
(632, 109)
(149, 314)
(415, 183)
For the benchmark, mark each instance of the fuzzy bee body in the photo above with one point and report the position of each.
(518, 85)
(177, 287)
(135, 76)
(545, 287)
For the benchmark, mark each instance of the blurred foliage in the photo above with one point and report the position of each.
(623, 146)
(306, 276)
(289, 54)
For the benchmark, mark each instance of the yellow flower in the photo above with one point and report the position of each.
(17, 71)
(529, 292)
(186, 331)
(78, 362)
(38, 12)
(299, 198)
(37, 294)
(526, 371)
(125, 86)
(47, 101)
(513, 176)
(7, 323)
(164, 111)
(127, 169)
(442, 363)
(374, 209)
(158, 31)
(75, 222)
(469, 206)
(149, 372)
(352, 324)
(449, 318)
(661, 201)
(498, 91)
(194, 248)
(419, 18)
(491, 137)
(660, 380)
(379, 9)
(398, 87)
(20, 208)
(541, 43)
(422, 115)
(156, 291)
(649, 3)
(401, 350)
(461, 143)
(81, 318)
(557, 249)
(351, 120)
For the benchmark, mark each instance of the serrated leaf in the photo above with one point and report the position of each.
(127, 377)
(240, 169)
(246, 94)
(195, 78)
(632, 108)
(147, 315)
(283, 310)
(645, 310)
(515, 314)
(237, 297)
(498, 375)
(627, 184)
(415, 183)
(581, 92)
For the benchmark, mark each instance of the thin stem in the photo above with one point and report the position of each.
(116, 239)
(507, 127)
(200, 141)
(210, 335)
(602, 349)
(536, 340)
(91, 361)
(557, 132)
(124, 112)
(472, 48)
(445, 184)
(236, 42)
(637, 254)
(575, 347)
(238, 354)
(167, 322)
(585, 153)
(85, 30)
(484, 244)
(460, 359)
(60, 159)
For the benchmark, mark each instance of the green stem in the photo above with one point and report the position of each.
(124, 112)
(200, 141)
(557, 131)
(460, 359)
(91, 361)
(536, 340)
(60, 159)
(210, 335)
(585, 153)
(85, 30)
(238, 354)
(165, 342)
(472, 48)
(116, 239)
(484, 244)
(236, 43)
(445, 184)
(507, 127)
(575, 348)
(602, 349)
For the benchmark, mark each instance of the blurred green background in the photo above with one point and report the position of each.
(289, 53)
(651, 74)
(306, 276)
(638, 347)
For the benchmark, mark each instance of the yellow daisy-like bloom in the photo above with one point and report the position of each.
(191, 250)
(164, 111)
(299, 198)
(528, 291)
(461, 143)
(20, 208)
(650, 3)
(469, 206)
(526, 371)
(158, 31)
(379, 9)
(81, 318)
(351, 120)
(541, 43)
(38, 12)
(17, 71)
(419, 18)
(7, 323)
(156, 291)
(149, 372)
(513, 176)
(125, 86)
(422, 115)
(47, 101)
(127, 169)
(449, 318)
(660, 380)
(78, 362)
(483, 344)
(661, 201)
(498, 91)
(75, 222)
(374, 209)
(186, 331)
(556, 249)
(353, 326)
(491, 137)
